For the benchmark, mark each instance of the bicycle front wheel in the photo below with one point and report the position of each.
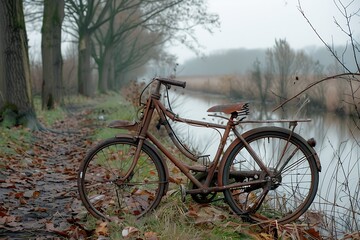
(103, 188)
(283, 193)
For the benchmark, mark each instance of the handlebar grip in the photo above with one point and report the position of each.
(171, 82)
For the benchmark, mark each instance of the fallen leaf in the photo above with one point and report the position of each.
(17, 180)
(36, 194)
(19, 195)
(3, 214)
(151, 236)
(266, 236)
(22, 201)
(313, 233)
(8, 185)
(50, 228)
(40, 209)
(102, 229)
(176, 180)
(11, 221)
(192, 213)
(175, 170)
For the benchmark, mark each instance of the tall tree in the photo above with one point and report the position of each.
(15, 87)
(282, 59)
(52, 87)
(130, 51)
(86, 16)
(125, 39)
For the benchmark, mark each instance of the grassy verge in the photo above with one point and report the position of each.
(175, 220)
(13, 141)
(111, 107)
(47, 117)
(16, 141)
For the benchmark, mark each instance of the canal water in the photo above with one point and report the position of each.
(337, 204)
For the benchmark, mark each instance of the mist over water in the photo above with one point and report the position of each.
(240, 60)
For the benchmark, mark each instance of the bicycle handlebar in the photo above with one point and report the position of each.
(171, 82)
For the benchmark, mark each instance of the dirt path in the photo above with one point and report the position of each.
(38, 191)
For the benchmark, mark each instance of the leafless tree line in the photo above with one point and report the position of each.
(119, 36)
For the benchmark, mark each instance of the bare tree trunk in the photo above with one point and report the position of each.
(111, 81)
(2, 64)
(15, 72)
(84, 68)
(52, 88)
(104, 70)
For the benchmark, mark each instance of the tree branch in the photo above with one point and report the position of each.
(321, 39)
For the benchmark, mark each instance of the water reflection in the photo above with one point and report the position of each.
(336, 146)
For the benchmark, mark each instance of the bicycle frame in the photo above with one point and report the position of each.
(154, 104)
(267, 173)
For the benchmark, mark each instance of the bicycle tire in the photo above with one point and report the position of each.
(290, 194)
(104, 195)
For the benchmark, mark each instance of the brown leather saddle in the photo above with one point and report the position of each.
(229, 108)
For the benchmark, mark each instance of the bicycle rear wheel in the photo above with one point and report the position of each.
(285, 195)
(102, 187)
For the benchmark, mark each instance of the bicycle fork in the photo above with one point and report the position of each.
(149, 110)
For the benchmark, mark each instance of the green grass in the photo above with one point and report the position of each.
(17, 140)
(48, 117)
(172, 221)
(14, 141)
(109, 108)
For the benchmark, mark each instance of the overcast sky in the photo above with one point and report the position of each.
(257, 23)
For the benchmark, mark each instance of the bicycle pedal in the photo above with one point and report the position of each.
(182, 192)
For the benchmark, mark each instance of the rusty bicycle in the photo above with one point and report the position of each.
(267, 173)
